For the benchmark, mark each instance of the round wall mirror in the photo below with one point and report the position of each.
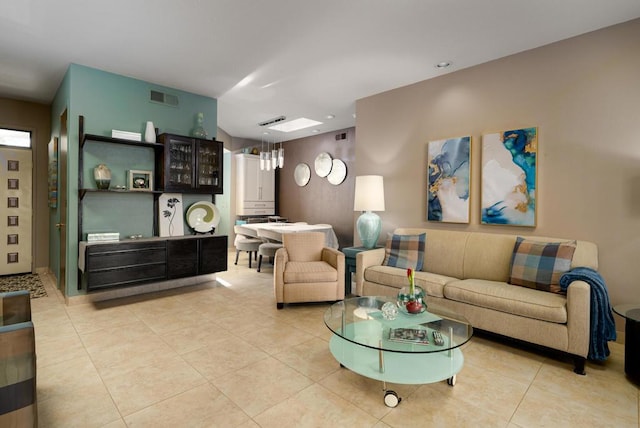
(338, 172)
(323, 164)
(302, 174)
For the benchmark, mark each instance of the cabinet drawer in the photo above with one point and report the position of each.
(122, 257)
(259, 204)
(257, 211)
(126, 275)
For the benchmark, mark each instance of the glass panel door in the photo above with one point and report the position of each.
(181, 173)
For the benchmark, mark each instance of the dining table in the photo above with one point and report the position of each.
(273, 231)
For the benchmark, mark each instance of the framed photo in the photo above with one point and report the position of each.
(509, 177)
(448, 180)
(141, 181)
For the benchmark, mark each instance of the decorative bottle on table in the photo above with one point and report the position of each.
(412, 297)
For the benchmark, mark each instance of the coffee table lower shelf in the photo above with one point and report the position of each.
(397, 367)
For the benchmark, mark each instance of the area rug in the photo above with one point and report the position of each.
(28, 281)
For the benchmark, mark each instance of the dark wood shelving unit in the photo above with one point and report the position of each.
(127, 262)
(83, 192)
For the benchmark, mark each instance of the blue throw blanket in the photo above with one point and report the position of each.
(603, 327)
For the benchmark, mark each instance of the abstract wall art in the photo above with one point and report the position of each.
(448, 180)
(509, 172)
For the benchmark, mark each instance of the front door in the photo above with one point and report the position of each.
(15, 210)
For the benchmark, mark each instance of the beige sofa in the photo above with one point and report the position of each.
(467, 272)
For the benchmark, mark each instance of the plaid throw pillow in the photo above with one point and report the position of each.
(405, 251)
(540, 265)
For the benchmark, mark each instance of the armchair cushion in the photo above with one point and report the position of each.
(310, 272)
(304, 247)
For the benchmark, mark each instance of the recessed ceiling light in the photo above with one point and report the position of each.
(330, 116)
(443, 64)
(295, 125)
(315, 131)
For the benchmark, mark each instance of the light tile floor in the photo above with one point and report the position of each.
(219, 354)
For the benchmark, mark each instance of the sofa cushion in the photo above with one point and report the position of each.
(540, 265)
(405, 251)
(431, 283)
(509, 298)
(309, 272)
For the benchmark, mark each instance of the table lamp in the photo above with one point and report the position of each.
(369, 196)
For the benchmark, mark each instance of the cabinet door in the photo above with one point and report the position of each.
(179, 163)
(267, 186)
(209, 166)
(251, 178)
(182, 258)
(212, 254)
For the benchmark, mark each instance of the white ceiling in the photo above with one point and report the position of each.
(297, 57)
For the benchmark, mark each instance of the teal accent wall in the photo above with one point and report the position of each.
(110, 101)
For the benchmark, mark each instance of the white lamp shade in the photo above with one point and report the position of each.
(369, 193)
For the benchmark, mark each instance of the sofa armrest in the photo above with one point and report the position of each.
(579, 318)
(280, 260)
(15, 307)
(365, 259)
(336, 259)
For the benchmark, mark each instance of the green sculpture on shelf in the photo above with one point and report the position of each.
(199, 131)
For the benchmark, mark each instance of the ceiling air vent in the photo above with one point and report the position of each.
(162, 98)
(273, 121)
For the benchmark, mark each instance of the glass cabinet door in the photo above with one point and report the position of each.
(191, 165)
(208, 161)
(207, 165)
(180, 165)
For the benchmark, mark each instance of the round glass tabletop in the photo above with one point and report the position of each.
(629, 311)
(360, 320)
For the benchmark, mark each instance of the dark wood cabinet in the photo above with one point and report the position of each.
(125, 263)
(190, 165)
(182, 258)
(212, 255)
(128, 263)
(180, 164)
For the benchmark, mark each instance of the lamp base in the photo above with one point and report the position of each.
(369, 225)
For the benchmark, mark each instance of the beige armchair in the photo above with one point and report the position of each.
(307, 271)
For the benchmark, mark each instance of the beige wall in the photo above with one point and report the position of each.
(319, 201)
(583, 94)
(34, 117)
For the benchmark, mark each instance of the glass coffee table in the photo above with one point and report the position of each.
(400, 350)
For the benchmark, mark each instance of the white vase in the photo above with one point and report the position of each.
(150, 133)
(102, 176)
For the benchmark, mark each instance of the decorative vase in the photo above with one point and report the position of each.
(102, 176)
(199, 131)
(150, 133)
(405, 296)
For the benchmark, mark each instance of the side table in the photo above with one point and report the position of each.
(350, 265)
(631, 314)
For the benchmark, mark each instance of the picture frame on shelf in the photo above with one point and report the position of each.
(139, 181)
